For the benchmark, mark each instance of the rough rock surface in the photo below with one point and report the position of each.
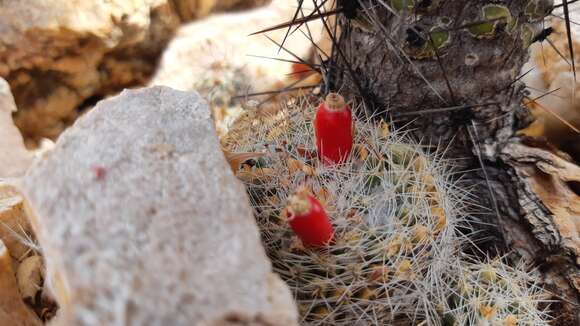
(13, 311)
(14, 158)
(60, 56)
(214, 56)
(221, 45)
(190, 9)
(142, 222)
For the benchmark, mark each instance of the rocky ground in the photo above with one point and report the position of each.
(62, 57)
(57, 65)
(122, 250)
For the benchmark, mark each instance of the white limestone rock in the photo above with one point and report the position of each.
(142, 222)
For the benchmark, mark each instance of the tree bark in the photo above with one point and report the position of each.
(450, 69)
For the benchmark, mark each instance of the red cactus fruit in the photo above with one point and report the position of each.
(334, 130)
(309, 220)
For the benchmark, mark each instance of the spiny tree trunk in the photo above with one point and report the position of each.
(408, 58)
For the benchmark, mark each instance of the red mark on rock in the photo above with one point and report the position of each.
(99, 171)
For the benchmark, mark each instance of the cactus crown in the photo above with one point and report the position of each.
(334, 101)
(298, 204)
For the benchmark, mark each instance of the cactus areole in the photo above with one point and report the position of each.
(309, 220)
(334, 130)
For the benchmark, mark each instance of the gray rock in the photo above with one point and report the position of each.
(14, 158)
(213, 57)
(58, 54)
(142, 221)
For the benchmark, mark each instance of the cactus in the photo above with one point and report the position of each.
(395, 208)
(218, 86)
(493, 293)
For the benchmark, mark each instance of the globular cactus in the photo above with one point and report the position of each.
(396, 211)
(218, 85)
(493, 293)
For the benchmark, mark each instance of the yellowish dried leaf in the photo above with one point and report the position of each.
(236, 159)
(29, 277)
(256, 175)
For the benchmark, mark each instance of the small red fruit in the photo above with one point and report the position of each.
(309, 220)
(334, 130)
